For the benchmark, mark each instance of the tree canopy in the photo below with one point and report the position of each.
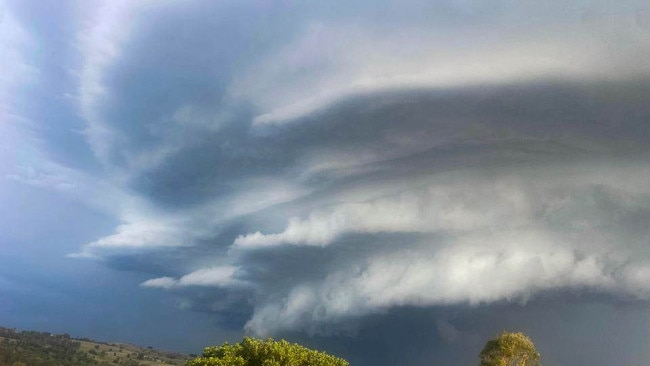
(510, 349)
(256, 352)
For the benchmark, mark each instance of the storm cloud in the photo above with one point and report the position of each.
(342, 173)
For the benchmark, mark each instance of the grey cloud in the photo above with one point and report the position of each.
(376, 176)
(550, 117)
(528, 188)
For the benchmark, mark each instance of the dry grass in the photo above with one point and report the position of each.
(118, 353)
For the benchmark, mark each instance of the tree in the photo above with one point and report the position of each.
(256, 352)
(510, 349)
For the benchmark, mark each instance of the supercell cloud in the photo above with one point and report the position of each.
(295, 168)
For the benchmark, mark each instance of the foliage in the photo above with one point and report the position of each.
(39, 349)
(510, 349)
(29, 348)
(255, 352)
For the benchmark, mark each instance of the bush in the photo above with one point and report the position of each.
(255, 352)
(510, 349)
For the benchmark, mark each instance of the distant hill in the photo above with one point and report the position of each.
(28, 348)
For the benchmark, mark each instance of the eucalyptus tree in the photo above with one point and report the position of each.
(256, 352)
(510, 349)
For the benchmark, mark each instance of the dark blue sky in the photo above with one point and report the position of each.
(393, 182)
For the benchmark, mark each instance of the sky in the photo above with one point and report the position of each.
(393, 182)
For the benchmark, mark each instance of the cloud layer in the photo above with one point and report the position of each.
(499, 180)
(305, 169)
(504, 237)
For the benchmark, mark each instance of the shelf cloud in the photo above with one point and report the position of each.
(330, 170)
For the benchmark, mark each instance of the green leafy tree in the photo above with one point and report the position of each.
(510, 349)
(256, 352)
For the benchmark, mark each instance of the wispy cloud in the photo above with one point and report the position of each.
(99, 42)
(345, 60)
(17, 45)
(222, 276)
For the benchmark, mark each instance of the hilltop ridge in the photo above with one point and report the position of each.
(30, 348)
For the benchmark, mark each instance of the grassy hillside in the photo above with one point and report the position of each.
(29, 348)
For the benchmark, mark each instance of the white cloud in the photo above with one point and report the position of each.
(331, 61)
(99, 41)
(445, 206)
(17, 69)
(505, 236)
(215, 276)
(144, 229)
(474, 270)
(458, 202)
(161, 282)
(142, 234)
(220, 276)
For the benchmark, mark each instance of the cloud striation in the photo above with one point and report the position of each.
(298, 169)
